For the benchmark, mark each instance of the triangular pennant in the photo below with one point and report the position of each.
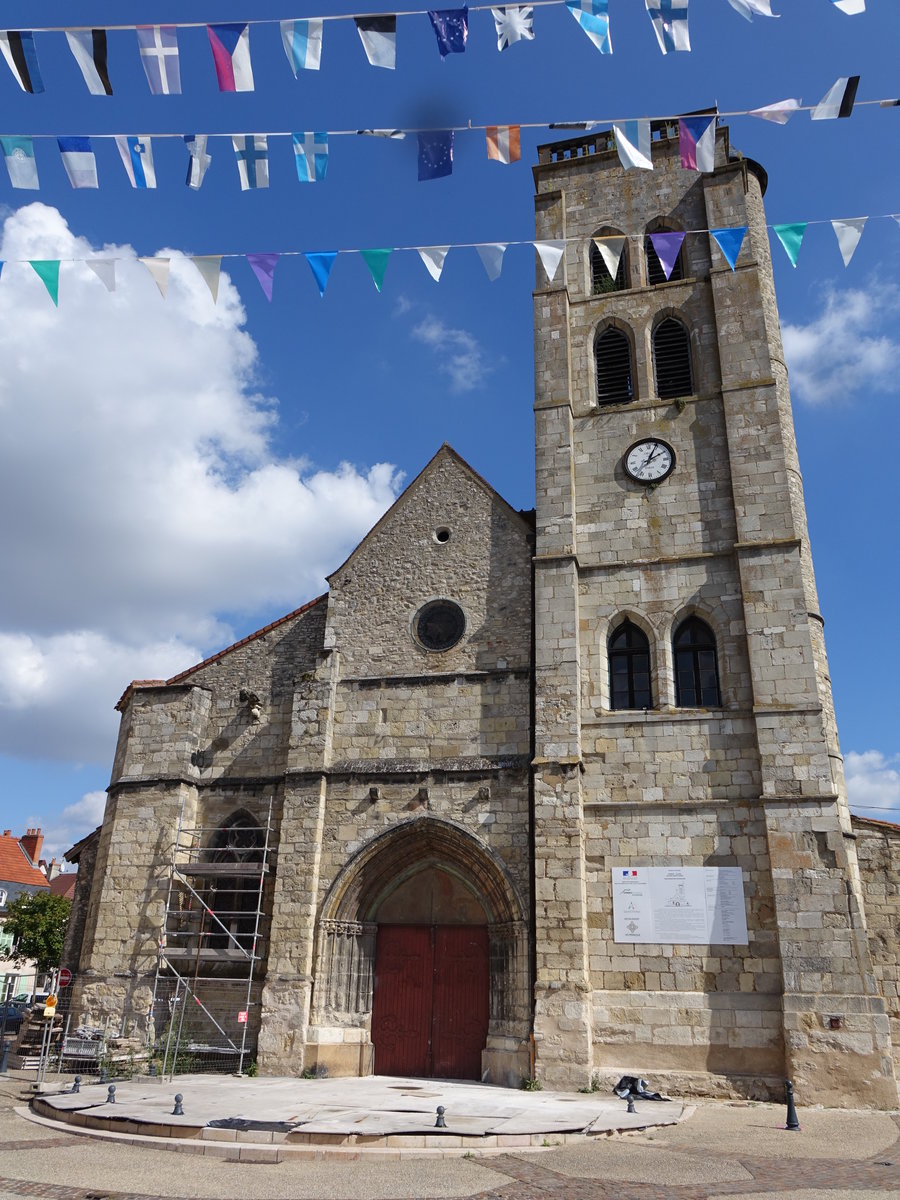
(550, 254)
(210, 267)
(610, 250)
(263, 267)
(838, 100)
(379, 38)
(780, 112)
(667, 245)
(593, 17)
(47, 270)
(747, 8)
(491, 255)
(159, 270)
(105, 270)
(790, 237)
(730, 241)
(850, 7)
(376, 261)
(433, 258)
(320, 264)
(848, 233)
(633, 144)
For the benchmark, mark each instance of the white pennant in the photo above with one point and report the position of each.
(780, 112)
(491, 254)
(159, 269)
(105, 270)
(851, 7)
(747, 8)
(210, 267)
(848, 234)
(433, 258)
(550, 254)
(611, 252)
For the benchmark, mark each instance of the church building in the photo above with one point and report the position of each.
(552, 795)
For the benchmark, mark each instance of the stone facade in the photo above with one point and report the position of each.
(488, 779)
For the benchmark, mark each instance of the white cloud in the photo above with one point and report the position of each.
(141, 495)
(849, 347)
(460, 354)
(873, 784)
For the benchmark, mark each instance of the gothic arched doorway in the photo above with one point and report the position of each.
(422, 947)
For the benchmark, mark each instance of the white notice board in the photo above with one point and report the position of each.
(685, 906)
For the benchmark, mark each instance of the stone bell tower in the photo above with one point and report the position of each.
(683, 706)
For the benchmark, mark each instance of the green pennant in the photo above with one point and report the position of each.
(376, 261)
(790, 237)
(47, 269)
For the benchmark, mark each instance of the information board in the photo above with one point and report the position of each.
(685, 906)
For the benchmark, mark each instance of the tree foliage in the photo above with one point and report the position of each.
(38, 926)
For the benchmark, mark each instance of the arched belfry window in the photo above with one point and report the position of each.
(655, 272)
(629, 667)
(615, 376)
(601, 279)
(696, 666)
(672, 359)
(234, 897)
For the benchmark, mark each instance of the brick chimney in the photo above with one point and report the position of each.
(31, 843)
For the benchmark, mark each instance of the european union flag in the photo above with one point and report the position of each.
(451, 28)
(435, 154)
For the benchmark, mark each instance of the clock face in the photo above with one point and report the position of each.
(650, 460)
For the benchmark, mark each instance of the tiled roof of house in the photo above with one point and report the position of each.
(63, 885)
(16, 866)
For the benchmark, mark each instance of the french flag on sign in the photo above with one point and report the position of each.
(629, 874)
(230, 46)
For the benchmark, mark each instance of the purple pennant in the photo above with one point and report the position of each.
(667, 246)
(263, 266)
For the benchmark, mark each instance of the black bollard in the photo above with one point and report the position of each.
(630, 1107)
(178, 1111)
(4, 1056)
(792, 1122)
(440, 1123)
(103, 1075)
(76, 1086)
(152, 1070)
(111, 1094)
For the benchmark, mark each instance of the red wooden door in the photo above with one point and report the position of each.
(430, 1007)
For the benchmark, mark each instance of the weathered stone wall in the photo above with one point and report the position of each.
(878, 851)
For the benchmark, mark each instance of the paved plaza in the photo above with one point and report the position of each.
(715, 1149)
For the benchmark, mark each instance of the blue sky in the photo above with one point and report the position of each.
(178, 474)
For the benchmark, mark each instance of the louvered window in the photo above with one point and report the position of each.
(601, 280)
(696, 668)
(629, 668)
(672, 359)
(655, 272)
(612, 351)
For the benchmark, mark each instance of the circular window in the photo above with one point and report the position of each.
(439, 625)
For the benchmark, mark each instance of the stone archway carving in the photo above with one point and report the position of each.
(347, 928)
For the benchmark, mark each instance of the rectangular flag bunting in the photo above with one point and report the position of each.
(451, 28)
(136, 153)
(78, 159)
(303, 44)
(747, 8)
(252, 151)
(158, 45)
(838, 100)
(230, 45)
(633, 144)
(513, 25)
(89, 49)
(199, 160)
(670, 23)
(395, 134)
(503, 143)
(18, 154)
(593, 17)
(311, 155)
(379, 38)
(697, 142)
(435, 154)
(17, 47)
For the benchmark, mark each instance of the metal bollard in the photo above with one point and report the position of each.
(4, 1056)
(792, 1122)
(102, 1075)
(630, 1107)
(178, 1111)
(440, 1123)
(152, 1070)
(76, 1086)
(111, 1094)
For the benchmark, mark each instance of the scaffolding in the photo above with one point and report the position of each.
(210, 944)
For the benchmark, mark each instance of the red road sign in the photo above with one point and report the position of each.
(65, 976)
